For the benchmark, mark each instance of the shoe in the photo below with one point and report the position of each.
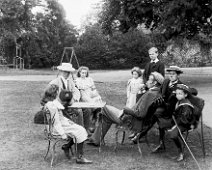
(66, 151)
(159, 148)
(180, 157)
(82, 160)
(91, 142)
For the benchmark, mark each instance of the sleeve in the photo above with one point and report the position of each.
(76, 93)
(145, 76)
(92, 83)
(55, 119)
(141, 83)
(162, 69)
(128, 88)
(186, 116)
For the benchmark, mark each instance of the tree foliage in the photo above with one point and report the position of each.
(186, 18)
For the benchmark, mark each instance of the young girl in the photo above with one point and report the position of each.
(134, 86)
(86, 86)
(65, 127)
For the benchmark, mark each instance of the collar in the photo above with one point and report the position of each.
(58, 104)
(154, 61)
(173, 83)
(183, 103)
(153, 88)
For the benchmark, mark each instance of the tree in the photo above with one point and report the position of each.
(172, 17)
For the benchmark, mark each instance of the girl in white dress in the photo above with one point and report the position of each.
(86, 86)
(135, 86)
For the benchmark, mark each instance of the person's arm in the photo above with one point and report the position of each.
(128, 88)
(162, 69)
(186, 116)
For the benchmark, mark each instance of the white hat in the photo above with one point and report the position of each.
(66, 67)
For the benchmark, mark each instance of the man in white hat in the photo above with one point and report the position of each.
(65, 81)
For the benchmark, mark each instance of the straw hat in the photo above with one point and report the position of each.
(66, 67)
(183, 87)
(158, 77)
(174, 68)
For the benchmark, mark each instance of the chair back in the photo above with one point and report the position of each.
(198, 104)
(49, 124)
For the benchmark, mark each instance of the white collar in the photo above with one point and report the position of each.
(58, 104)
(155, 61)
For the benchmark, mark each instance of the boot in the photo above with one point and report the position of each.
(101, 130)
(161, 145)
(80, 159)
(180, 157)
(66, 148)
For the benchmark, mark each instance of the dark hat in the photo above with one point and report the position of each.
(183, 87)
(65, 95)
(158, 77)
(174, 68)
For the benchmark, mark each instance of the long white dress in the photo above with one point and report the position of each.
(88, 90)
(133, 88)
(62, 125)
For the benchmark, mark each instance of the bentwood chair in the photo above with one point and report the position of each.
(53, 139)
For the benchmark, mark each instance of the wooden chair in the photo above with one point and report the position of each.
(53, 139)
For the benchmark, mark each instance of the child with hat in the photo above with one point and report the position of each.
(184, 116)
(65, 127)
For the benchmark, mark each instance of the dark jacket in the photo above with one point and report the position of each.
(184, 114)
(169, 96)
(151, 67)
(144, 109)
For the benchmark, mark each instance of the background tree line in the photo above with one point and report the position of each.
(119, 38)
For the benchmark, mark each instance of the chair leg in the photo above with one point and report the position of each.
(49, 143)
(123, 137)
(53, 154)
(202, 138)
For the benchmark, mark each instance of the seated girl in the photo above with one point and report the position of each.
(86, 86)
(65, 127)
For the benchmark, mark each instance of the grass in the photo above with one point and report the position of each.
(22, 143)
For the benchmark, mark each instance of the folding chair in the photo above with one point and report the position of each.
(199, 105)
(53, 139)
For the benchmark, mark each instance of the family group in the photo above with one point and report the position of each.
(151, 99)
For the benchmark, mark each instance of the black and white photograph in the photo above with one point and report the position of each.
(105, 84)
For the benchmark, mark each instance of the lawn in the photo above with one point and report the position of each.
(22, 143)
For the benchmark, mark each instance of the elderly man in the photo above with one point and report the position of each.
(133, 117)
(154, 64)
(65, 81)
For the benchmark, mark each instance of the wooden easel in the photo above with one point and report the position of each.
(73, 55)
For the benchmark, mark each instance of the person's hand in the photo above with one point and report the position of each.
(64, 136)
(158, 101)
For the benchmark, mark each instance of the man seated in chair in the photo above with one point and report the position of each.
(184, 117)
(65, 127)
(131, 117)
(65, 81)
